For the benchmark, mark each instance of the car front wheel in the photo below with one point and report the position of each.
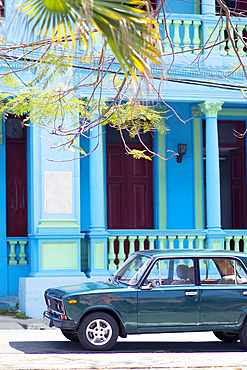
(98, 331)
(227, 336)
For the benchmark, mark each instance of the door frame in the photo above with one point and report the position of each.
(155, 179)
(154, 164)
(240, 143)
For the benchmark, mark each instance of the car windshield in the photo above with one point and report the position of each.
(132, 270)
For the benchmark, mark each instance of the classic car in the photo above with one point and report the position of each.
(156, 291)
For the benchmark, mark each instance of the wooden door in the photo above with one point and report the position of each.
(129, 189)
(233, 153)
(16, 178)
(238, 163)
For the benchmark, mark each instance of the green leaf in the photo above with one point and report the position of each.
(130, 32)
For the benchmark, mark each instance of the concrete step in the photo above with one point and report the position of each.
(8, 301)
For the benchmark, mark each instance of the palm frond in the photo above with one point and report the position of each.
(131, 32)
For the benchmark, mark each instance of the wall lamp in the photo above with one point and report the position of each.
(181, 151)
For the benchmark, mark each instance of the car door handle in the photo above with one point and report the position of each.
(191, 294)
(245, 293)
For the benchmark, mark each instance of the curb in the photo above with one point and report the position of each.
(13, 323)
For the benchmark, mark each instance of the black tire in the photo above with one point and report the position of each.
(71, 335)
(243, 334)
(98, 331)
(227, 336)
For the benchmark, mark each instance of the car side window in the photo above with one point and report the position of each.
(241, 274)
(221, 271)
(172, 272)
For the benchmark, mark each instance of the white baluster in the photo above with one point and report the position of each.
(162, 242)
(141, 242)
(111, 255)
(167, 39)
(181, 241)
(132, 239)
(22, 255)
(12, 254)
(237, 239)
(186, 39)
(190, 239)
(176, 39)
(240, 44)
(121, 254)
(151, 240)
(227, 240)
(196, 40)
(171, 239)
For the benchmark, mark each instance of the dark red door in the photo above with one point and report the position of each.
(238, 163)
(232, 150)
(16, 178)
(129, 189)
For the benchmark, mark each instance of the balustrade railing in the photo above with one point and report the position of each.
(185, 33)
(236, 240)
(181, 35)
(121, 243)
(17, 252)
(189, 32)
(227, 47)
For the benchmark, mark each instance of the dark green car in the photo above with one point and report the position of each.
(156, 291)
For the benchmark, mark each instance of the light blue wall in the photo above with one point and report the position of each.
(180, 6)
(180, 199)
(84, 185)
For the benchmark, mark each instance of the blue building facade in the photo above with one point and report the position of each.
(84, 217)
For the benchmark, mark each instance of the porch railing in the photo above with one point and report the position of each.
(190, 32)
(17, 252)
(236, 240)
(122, 243)
(181, 34)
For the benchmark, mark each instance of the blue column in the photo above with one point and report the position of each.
(97, 235)
(208, 7)
(96, 173)
(3, 242)
(215, 237)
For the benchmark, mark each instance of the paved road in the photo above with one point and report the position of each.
(48, 349)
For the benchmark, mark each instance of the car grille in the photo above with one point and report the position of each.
(54, 304)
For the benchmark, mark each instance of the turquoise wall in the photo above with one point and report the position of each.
(180, 6)
(84, 186)
(179, 183)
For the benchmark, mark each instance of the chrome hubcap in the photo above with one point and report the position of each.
(98, 332)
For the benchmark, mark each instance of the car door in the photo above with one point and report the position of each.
(223, 291)
(169, 297)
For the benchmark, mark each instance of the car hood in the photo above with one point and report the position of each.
(90, 287)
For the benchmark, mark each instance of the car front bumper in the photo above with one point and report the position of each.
(52, 320)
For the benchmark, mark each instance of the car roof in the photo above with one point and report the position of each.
(157, 253)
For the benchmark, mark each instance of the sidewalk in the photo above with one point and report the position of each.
(12, 323)
(50, 350)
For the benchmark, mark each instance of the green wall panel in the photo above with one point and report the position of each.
(232, 113)
(198, 172)
(58, 224)
(162, 182)
(99, 255)
(59, 255)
